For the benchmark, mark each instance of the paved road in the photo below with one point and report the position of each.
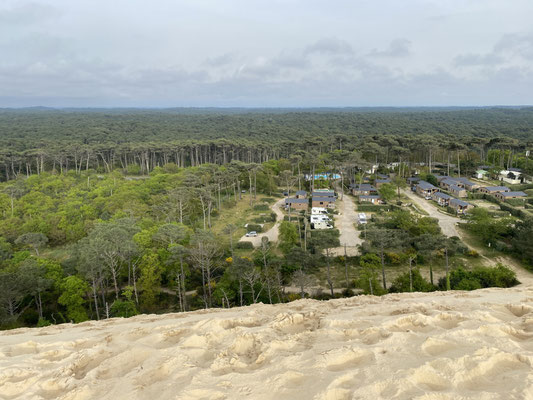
(273, 233)
(345, 222)
(446, 222)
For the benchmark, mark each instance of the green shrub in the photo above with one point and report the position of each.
(480, 277)
(254, 227)
(244, 245)
(402, 283)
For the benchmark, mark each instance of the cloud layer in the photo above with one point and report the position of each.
(258, 53)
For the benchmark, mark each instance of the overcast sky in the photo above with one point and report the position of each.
(273, 53)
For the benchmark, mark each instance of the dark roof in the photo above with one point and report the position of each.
(383, 180)
(464, 181)
(413, 179)
(365, 186)
(456, 188)
(322, 198)
(295, 201)
(459, 202)
(426, 185)
(383, 176)
(301, 192)
(442, 195)
(369, 197)
(497, 188)
(514, 194)
(449, 181)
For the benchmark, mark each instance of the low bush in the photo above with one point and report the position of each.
(402, 283)
(244, 245)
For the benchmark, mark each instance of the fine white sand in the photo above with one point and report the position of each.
(456, 345)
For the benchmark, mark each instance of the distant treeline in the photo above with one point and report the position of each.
(36, 140)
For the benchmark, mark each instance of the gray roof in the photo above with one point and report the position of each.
(413, 179)
(301, 192)
(426, 185)
(383, 180)
(465, 181)
(456, 188)
(287, 201)
(497, 188)
(322, 198)
(370, 197)
(459, 202)
(329, 193)
(449, 181)
(514, 194)
(442, 195)
(365, 186)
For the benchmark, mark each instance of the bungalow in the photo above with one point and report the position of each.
(442, 177)
(494, 189)
(447, 183)
(426, 189)
(442, 199)
(381, 182)
(301, 194)
(460, 206)
(363, 189)
(322, 201)
(503, 196)
(457, 191)
(412, 182)
(374, 199)
(468, 185)
(323, 193)
(297, 204)
(481, 174)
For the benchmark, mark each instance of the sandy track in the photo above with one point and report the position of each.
(345, 222)
(446, 222)
(441, 345)
(273, 233)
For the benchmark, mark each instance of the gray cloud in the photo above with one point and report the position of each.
(28, 13)
(329, 46)
(397, 48)
(202, 53)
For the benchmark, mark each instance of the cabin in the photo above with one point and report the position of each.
(323, 193)
(457, 191)
(301, 194)
(460, 206)
(494, 189)
(442, 177)
(503, 196)
(296, 204)
(468, 185)
(374, 199)
(442, 199)
(322, 201)
(380, 182)
(412, 182)
(426, 189)
(481, 174)
(364, 189)
(447, 182)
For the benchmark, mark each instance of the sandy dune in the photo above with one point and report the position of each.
(456, 345)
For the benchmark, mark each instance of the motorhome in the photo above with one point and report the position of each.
(362, 218)
(321, 225)
(319, 217)
(319, 210)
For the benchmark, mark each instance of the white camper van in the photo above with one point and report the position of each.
(319, 210)
(321, 225)
(362, 218)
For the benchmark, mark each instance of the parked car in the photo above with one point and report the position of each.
(251, 234)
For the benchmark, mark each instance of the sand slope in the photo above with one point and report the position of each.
(476, 345)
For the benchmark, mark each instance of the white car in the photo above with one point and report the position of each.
(251, 234)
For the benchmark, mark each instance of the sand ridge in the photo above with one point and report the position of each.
(455, 345)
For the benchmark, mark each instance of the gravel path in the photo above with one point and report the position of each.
(273, 233)
(345, 222)
(446, 222)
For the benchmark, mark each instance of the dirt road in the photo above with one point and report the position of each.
(446, 222)
(273, 233)
(345, 222)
